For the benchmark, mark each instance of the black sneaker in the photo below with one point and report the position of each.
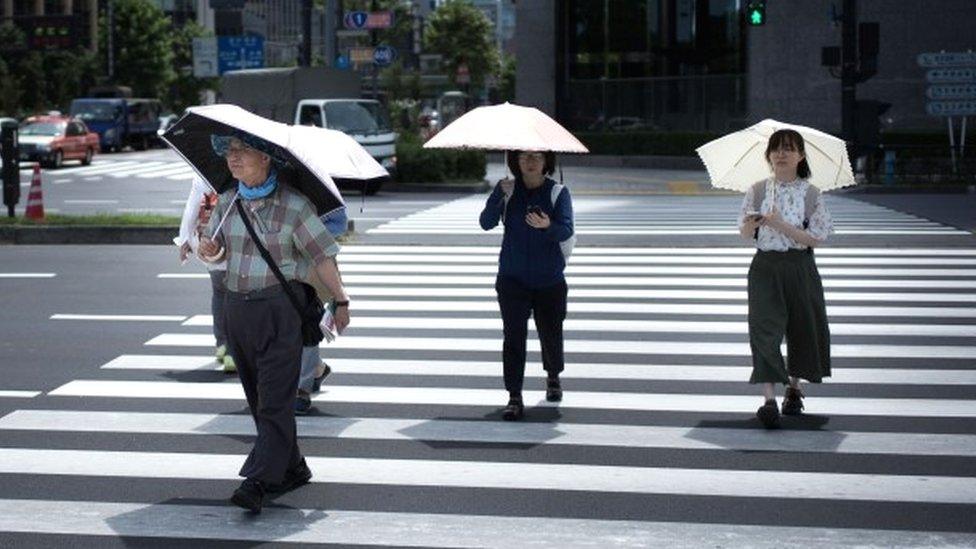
(768, 414)
(295, 477)
(514, 410)
(554, 391)
(317, 381)
(250, 495)
(793, 402)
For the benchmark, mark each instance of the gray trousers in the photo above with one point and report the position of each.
(217, 298)
(786, 299)
(266, 343)
(311, 358)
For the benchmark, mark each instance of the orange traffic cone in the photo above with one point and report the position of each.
(35, 200)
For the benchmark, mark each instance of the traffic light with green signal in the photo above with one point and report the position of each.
(756, 13)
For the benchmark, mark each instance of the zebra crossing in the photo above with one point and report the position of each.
(664, 215)
(174, 170)
(654, 444)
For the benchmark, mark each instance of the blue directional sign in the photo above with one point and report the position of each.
(342, 62)
(355, 19)
(384, 55)
(239, 52)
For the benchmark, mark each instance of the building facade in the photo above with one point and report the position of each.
(695, 65)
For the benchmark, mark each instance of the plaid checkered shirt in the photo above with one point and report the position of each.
(288, 227)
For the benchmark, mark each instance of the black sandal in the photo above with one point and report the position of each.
(793, 402)
(514, 410)
(768, 414)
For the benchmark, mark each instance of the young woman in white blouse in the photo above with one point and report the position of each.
(787, 218)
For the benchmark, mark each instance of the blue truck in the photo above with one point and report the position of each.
(119, 121)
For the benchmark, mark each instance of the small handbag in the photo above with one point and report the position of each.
(312, 313)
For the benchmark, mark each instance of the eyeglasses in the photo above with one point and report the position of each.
(238, 150)
(532, 157)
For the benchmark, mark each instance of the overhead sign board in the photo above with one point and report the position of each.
(951, 91)
(946, 59)
(239, 52)
(368, 20)
(359, 56)
(951, 75)
(951, 108)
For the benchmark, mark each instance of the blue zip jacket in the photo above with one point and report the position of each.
(529, 255)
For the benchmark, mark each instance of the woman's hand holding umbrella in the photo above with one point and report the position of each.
(209, 251)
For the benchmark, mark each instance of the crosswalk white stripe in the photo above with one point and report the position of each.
(565, 434)
(352, 267)
(167, 170)
(312, 526)
(670, 294)
(516, 476)
(577, 260)
(634, 372)
(132, 318)
(656, 402)
(28, 275)
(657, 326)
(644, 281)
(703, 231)
(143, 167)
(579, 309)
(18, 394)
(598, 346)
(585, 250)
(97, 167)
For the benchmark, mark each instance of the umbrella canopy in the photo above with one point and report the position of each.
(191, 136)
(506, 127)
(738, 160)
(335, 153)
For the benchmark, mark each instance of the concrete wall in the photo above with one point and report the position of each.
(786, 80)
(535, 54)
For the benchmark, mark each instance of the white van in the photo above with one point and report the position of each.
(365, 120)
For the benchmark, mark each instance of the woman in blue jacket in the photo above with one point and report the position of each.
(530, 268)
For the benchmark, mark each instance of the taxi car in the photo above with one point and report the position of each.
(51, 140)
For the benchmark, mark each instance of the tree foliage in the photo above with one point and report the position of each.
(462, 35)
(142, 47)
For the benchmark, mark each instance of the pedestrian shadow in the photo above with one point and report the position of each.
(206, 374)
(806, 432)
(207, 519)
(458, 433)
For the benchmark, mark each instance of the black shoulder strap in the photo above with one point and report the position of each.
(267, 259)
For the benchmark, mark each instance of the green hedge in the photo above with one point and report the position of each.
(645, 143)
(416, 164)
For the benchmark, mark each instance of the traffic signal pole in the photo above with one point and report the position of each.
(848, 77)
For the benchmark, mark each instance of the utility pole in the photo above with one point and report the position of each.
(305, 59)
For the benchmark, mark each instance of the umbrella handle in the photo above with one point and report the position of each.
(223, 218)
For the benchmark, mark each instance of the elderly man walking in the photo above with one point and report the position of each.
(263, 326)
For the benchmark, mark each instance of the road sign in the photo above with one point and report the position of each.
(951, 108)
(205, 57)
(951, 91)
(951, 75)
(342, 62)
(368, 20)
(239, 52)
(947, 59)
(383, 56)
(359, 56)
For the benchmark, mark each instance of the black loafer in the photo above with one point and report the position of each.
(793, 402)
(317, 382)
(250, 496)
(554, 391)
(295, 477)
(514, 410)
(768, 414)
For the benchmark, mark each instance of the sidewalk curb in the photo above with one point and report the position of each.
(910, 189)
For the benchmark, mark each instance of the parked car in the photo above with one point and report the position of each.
(51, 140)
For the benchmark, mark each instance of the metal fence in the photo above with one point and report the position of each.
(694, 103)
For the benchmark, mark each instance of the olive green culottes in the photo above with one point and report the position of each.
(786, 299)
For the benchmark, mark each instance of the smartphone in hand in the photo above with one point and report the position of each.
(533, 209)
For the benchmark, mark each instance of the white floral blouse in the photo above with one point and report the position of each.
(789, 199)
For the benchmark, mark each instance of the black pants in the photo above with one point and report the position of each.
(548, 307)
(265, 339)
(786, 298)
